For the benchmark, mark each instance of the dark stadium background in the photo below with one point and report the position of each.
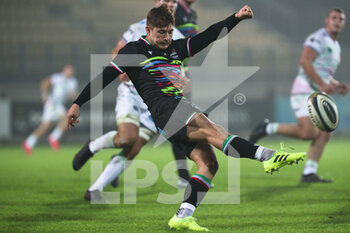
(38, 36)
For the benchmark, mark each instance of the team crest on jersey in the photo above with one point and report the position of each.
(174, 55)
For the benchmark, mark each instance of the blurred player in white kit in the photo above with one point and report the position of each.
(55, 90)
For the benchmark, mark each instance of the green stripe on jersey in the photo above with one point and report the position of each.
(188, 25)
(153, 58)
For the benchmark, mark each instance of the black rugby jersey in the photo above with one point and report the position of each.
(155, 72)
(186, 21)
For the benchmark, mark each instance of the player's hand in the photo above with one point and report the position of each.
(124, 78)
(245, 13)
(342, 88)
(327, 88)
(72, 116)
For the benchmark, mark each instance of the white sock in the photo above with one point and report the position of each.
(56, 134)
(185, 210)
(271, 128)
(31, 140)
(105, 141)
(113, 170)
(263, 153)
(310, 167)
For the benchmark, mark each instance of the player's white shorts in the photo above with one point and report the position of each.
(53, 112)
(130, 108)
(299, 104)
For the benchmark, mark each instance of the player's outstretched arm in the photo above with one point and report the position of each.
(341, 88)
(94, 87)
(212, 33)
(45, 85)
(73, 115)
(306, 61)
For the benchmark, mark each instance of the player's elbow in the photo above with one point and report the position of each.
(305, 61)
(302, 61)
(45, 84)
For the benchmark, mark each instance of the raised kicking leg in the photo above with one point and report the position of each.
(202, 129)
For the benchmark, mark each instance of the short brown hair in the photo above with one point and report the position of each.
(160, 17)
(336, 9)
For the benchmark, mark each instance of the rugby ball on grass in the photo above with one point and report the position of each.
(323, 111)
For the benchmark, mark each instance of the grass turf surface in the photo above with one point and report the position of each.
(42, 193)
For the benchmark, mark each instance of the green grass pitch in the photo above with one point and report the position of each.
(42, 193)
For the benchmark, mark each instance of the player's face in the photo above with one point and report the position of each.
(335, 22)
(160, 37)
(68, 71)
(172, 4)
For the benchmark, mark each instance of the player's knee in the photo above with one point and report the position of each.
(308, 134)
(324, 137)
(210, 131)
(124, 142)
(213, 166)
(135, 151)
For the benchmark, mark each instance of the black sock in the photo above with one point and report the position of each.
(196, 189)
(180, 158)
(244, 148)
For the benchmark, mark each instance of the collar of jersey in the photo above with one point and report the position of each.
(143, 38)
(326, 32)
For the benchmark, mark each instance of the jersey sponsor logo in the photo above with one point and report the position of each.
(315, 40)
(167, 75)
(174, 55)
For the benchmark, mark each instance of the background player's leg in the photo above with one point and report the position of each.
(103, 142)
(116, 166)
(145, 135)
(57, 133)
(304, 130)
(181, 164)
(318, 145)
(315, 153)
(31, 141)
(127, 135)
